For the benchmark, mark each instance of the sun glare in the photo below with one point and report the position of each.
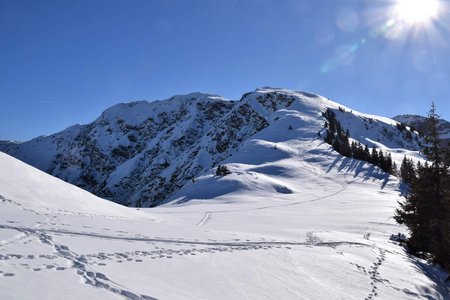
(417, 11)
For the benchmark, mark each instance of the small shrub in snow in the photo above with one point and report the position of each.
(399, 237)
(132, 138)
(222, 171)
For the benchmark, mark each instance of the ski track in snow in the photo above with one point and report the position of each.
(205, 219)
(179, 241)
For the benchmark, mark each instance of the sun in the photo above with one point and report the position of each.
(417, 11)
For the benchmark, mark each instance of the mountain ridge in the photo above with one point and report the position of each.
(141, 153)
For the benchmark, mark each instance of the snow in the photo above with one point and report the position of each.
(28, 187)
(62, 242)
(294, 220)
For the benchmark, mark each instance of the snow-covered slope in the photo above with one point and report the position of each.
(25, 186)
(294, 220)
(142, 153)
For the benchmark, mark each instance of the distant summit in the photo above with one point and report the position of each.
(420, 123)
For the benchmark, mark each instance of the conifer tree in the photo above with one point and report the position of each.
(389, 164)
(426, 211)
(382, 161)
(407, 171)
(366, 156)
(374, 156)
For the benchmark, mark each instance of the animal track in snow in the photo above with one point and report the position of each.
(375, 275)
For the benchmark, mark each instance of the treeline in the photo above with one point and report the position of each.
(426, 210)
(339, 139)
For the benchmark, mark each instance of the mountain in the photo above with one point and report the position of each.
(142, 153)
(420, 123)
(294, 220)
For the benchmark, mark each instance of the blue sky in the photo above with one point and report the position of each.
(64, 62)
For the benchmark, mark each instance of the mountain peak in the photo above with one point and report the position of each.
(136, 112)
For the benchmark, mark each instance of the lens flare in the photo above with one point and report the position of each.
(405, 24)
(417, 11)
